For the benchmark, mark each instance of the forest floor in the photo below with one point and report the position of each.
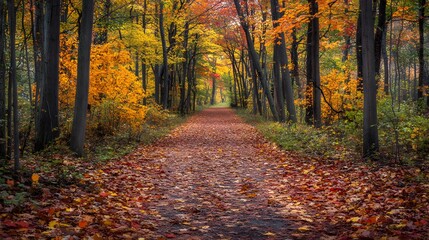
(215, 177)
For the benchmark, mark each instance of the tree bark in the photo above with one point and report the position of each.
(359, 52)
(381, 28)
(286, 81)
(82, 88)
(164, 70)
(13, 81)
(370, 128)
(309, 83)
(3, 135)
(421, 53)
(255, 60)
(315, 65)
(48, 125)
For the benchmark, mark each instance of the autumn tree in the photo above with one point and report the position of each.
(421, 51)
(3, 135)
(82, 87)
(47, 124)
(313, 59)
(281, 64)
(13, 81)
(254, 56)
(370, 127)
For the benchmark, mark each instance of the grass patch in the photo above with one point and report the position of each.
(402, 135)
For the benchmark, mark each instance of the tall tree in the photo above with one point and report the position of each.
(82, 87)
(422, 70)
(164, 69)
(13, 80)
(370, 128)
(379, 32)
(315, 64)
(255, 60)
(359, 59)
(3, 135)
(47, 128)
(280, 58)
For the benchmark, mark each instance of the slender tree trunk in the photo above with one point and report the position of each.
(3, 135)
(29, 82)
(379, 32)
(13, 81)
(309, 72)
(255, 60)
(317, 112)
(359, 52)
(286, 80)
(370, 128)
(82, 88)
(385, 64)
(164, 72)
(421, 53)
(48, 126)
(295, 63)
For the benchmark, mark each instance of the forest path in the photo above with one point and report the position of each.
(215, 177)
(213, 181)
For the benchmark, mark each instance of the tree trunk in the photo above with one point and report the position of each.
(308, 87)
(421, 53)
(295, 63)
(315, 67)
(370, 128)
(255, 61)
(164, 72)
(359, 52)
(381, 28)
(385, 64)
(13, 81)
(286, 81)
(3, 135)
(82, 88)
(48, 126)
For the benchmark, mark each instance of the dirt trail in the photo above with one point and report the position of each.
(215, 177)
(214, 181)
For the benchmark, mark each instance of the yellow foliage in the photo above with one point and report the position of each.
(111, 80)
(341, 92)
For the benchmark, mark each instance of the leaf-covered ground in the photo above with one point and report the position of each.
(215, 177)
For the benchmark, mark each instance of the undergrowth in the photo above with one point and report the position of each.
(403, 135)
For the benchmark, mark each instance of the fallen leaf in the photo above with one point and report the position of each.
(83, 224)
(10, 182)
(304, 228)
(269, 234)
(35, 178)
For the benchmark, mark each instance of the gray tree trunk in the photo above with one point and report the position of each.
(82, 88)
(421, 53)
(370, 128)
(48, 125)
(3, 135)
(315, 65)
(286, 82)
(164, 72)
(255, 61)
(13, 81)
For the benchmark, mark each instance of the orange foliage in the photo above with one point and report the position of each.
(111, 80)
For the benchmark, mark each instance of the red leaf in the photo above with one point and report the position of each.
(22, 224)
(104, 194)
(170, 235)
(10, 223)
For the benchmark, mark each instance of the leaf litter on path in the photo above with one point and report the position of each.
(215, 177)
